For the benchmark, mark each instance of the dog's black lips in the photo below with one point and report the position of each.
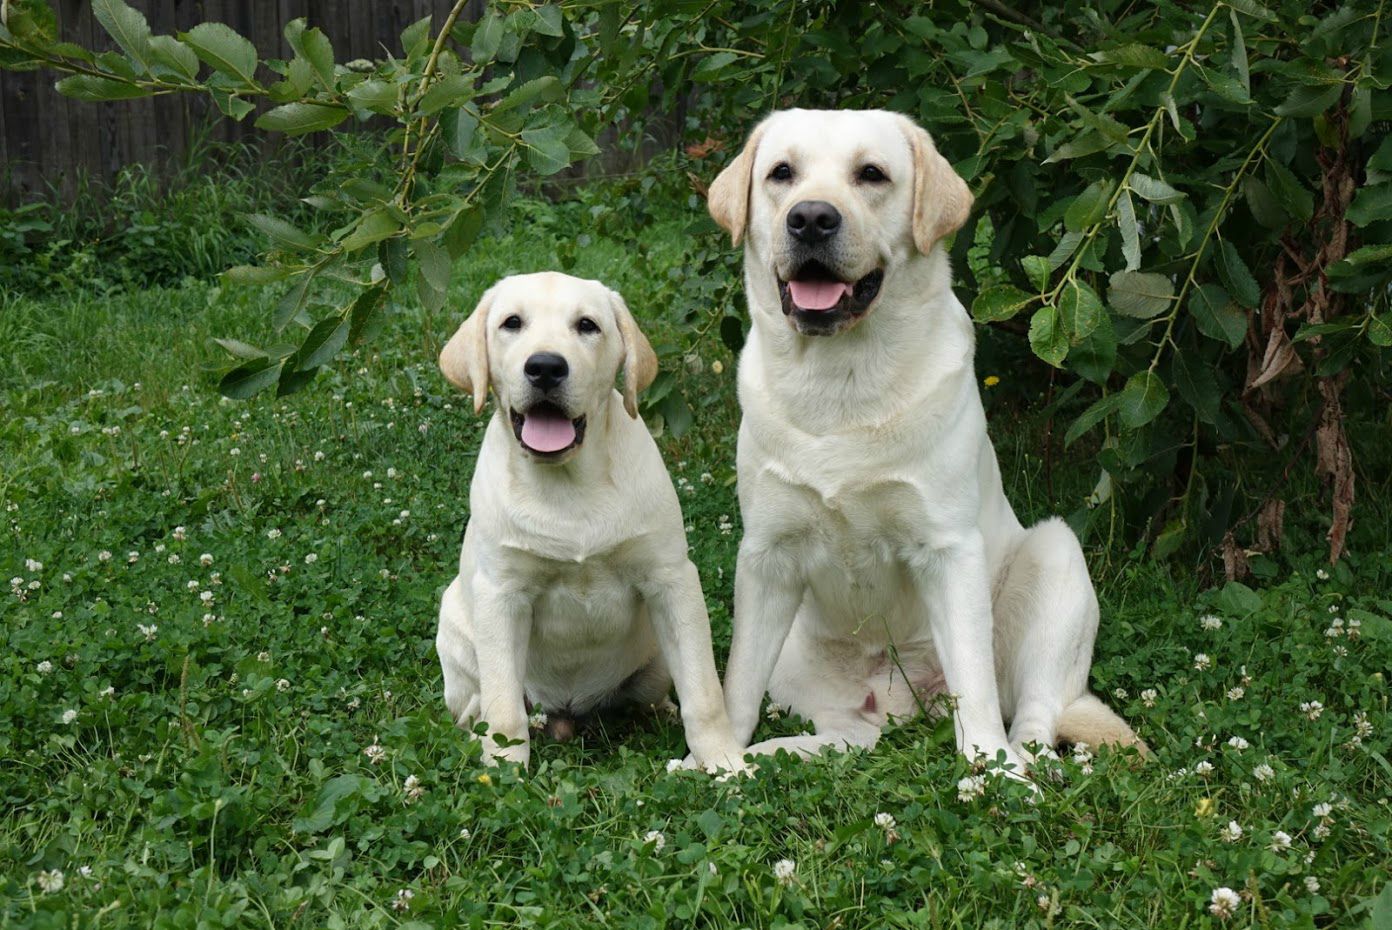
(546, 407)
(851, 307)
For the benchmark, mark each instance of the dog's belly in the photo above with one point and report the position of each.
(590, 634)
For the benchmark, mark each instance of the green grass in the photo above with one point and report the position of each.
(213, 771)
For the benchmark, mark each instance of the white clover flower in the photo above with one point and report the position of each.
(1280, 841)
(367, 475)
(273, 533)
(414, 789)
(1202, 661)
(784, 870)
(673, 765)
(391, 472)
(973, 786)
(193, 585)
(1354, 628)
(1312, 884)
(50, 882)
(1203, 768)
(311, 558)
(107, 693)
(1231, 833)
(283, 684)
(148, 632)
(1148, 697)
(1362, 728)
(884, 821)
(1238, 743)
(1120, 694)
(174, 558)
(104, 555)
(69, 716)
(33, 565)
(44, 667)
(1210, 622)
(57, 615)
(1224, 902)
(774, 711)
(263, 656)
(537, 720)
(1311, 709)
(1263, 772)
(1323, 809)
(710, 867)
(1321, 574)
(206, 597)
(375, 753)
(318, 456)
(402, 901)
(205, 559)
(656, 838)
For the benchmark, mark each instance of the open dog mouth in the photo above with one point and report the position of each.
(546, 431)
(821, 302)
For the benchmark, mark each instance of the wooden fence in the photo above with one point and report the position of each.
(47, 140)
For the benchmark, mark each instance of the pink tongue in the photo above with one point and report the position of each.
(817, 295)
(547, 432)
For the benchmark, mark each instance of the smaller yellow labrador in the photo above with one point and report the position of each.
(575, 592)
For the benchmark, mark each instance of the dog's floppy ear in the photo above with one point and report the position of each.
(942, 200)
(464, 359)
(728, 199)
(640, 361)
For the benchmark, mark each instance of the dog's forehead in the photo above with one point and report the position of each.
(548, 293)
(833, 137)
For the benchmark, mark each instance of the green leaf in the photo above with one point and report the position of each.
(1239, 54)
(457, 127)
(1310, 100)
(292, 303)
(245, 380)
(547, 151)
(1130, 231)
(1079, 310)
(174, 56)
(1099, 411)
(230, 104)
(433, 283)
(1298, 201)
(1085, 143)
(128, 27)
(1369, 254)
(1094, 357)
(1380, 331)
(1152, 189)
(447, 92)
(295, 119)
(373, 227)
(1237, 276)
(1360, 110)
(1142, 400)
(313, 46)
(1037, 269)
(375, 96)
(711, 65)
(548, 21)
(1215, 315)
(282, 233)
(254, 274)
(1196, 384)
(324, 341)
(488, 36)
(1252, 8)
(223, 50)
(367, 315)
(1380, 908)
(1000, 302)
(1047, 337)
(96, 89)
(547, 89)
(463, 231)
(241, 349)
(392, 254)
(1140, 294)
(1089, 207)
(1370, 205)
(1263, 204)
(1135, 56)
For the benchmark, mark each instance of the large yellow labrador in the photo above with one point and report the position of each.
(881, 564)
(575, 592)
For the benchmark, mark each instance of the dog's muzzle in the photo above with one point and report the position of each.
(547, 431)
(819, 302)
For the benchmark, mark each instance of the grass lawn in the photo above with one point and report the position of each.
(220, 703)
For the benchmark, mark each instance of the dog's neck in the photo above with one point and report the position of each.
(915, 338)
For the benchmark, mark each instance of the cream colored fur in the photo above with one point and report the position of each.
(574, 591)
(881, 563)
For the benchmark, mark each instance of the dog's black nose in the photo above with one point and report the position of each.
(813, 221)
(546, 370)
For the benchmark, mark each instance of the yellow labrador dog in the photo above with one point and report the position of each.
(574, 592)
(881, 564)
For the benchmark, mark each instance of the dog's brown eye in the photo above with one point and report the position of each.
(781, 172)
(872, 174)
(587, 325)
(513, 322)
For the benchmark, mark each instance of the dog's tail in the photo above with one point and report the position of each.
(1088, 720)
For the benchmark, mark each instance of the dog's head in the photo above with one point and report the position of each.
(550, 345)
(832, 201)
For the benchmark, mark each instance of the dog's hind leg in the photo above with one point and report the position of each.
(1046, 616)
(835, 730)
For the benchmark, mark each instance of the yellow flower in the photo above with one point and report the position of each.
(1204, 808)
(991, 381)
(485, 779)
(717, 366)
